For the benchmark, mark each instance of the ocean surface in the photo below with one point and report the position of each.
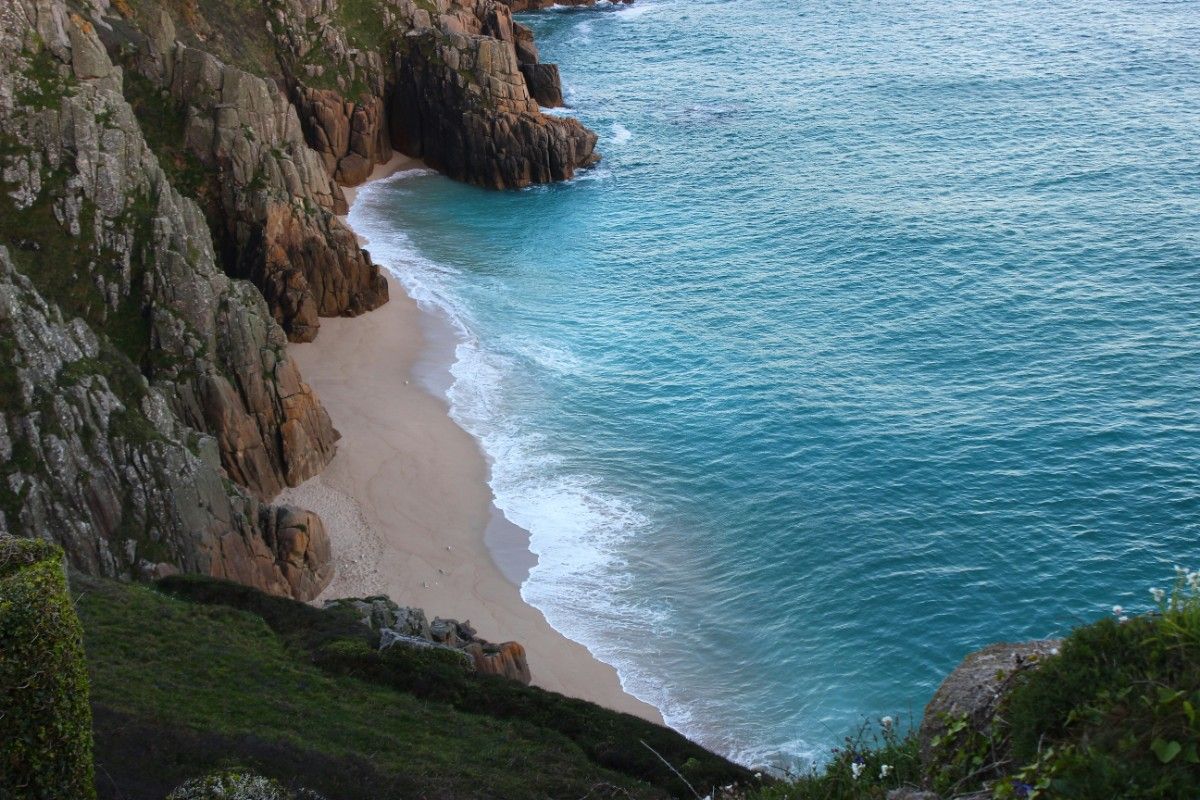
(875, 338)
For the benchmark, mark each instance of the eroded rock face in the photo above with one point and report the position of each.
(534, 5)
(458, 82)
(351, 137)
(278, 195)
(487, 129)
(127, 490)
(140, 379)
(399, 626)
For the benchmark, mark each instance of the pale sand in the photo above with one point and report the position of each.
(406, 501)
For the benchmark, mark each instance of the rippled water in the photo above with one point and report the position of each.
(875, 338)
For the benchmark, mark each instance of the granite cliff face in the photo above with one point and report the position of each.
(455, 82)
(149, 405)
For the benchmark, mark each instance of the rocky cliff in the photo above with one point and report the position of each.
(171, 179)
(149, 404)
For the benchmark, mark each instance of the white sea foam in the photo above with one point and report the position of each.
(621, 134)
(577, 525)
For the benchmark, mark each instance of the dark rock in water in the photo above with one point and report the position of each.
(974, 690)
(398, 626)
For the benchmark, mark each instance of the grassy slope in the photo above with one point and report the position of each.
(210, 685)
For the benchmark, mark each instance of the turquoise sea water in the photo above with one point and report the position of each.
(874, 339)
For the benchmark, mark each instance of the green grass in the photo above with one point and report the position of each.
(194, 674)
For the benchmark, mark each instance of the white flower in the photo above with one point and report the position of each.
(1118, 610)
(1193, 579)
(1158, 595)
(886, 721)
(1122, 618)
(856, 769)
(884, 770)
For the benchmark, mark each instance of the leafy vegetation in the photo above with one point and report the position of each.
(871, 763)
(45, 722)
(1117, 713)
(230, 677)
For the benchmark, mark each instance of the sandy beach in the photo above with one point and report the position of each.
(406, 501)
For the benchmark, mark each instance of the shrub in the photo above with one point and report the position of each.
(1117, 712)
(45, 721)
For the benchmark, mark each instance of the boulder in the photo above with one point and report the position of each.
(975, 689)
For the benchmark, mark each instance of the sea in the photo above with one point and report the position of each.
(873, 339)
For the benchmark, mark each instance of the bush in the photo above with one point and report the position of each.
(45, 720)
(1117, 712)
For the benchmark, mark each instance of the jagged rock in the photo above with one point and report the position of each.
(976, 687)
(534, 5)
(506, 660)
(486, 129)
(107, 491)
(124, 444)
(350, 137)
(278, 197)
(398, 626)
(459, 87)
(544, 84)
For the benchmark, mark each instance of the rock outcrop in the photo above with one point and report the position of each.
(456, 83)
(276, 197)
(235, 784)
(462, 104)
(534, 5)
(351, 137)
(149, 404)
(973, 692)
(398, 626)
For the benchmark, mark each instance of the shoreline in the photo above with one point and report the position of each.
(406, 500)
